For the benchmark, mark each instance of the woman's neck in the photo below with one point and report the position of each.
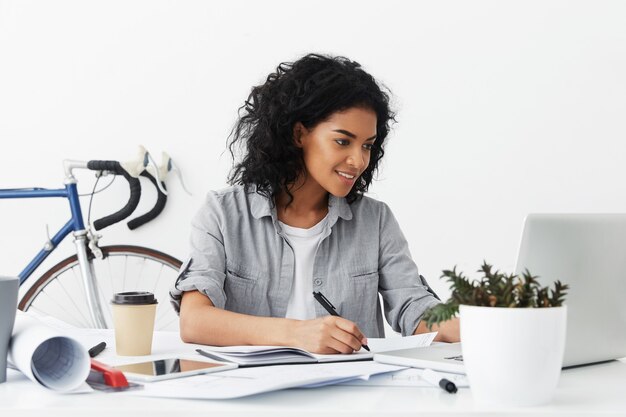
(307, 208)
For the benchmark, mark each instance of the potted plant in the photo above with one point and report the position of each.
(512, 334)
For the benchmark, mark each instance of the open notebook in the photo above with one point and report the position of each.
(275, 355)
(246, 356)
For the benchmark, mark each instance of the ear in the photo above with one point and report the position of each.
(298, 132)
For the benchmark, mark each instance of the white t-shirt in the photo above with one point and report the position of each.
(304, 242)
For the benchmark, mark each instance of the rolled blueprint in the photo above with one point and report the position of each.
(46, 356)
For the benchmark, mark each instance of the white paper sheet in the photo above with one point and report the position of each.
(47, 356)
(410, 377)
(249, 381)
(378, 345)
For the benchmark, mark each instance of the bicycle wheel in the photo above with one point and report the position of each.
(60, 291)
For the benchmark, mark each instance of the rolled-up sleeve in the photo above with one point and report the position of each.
(204, 270)
(405, 296)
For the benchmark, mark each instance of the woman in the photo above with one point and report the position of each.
(295, 221)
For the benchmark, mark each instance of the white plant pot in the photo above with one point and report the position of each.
(513, 356)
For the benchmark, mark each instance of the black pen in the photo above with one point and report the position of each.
(329, 307)
(438, 380)
(95, 351)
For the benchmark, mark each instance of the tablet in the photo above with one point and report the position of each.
(160, 369)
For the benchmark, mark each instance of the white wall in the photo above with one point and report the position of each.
(504, 108)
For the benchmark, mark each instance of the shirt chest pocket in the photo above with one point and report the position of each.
(358, 293)
(243, 287)
(363, 284)
(364, 277)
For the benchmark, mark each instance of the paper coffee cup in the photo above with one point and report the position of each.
(133, 319)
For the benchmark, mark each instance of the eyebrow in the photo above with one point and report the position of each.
(350, 134)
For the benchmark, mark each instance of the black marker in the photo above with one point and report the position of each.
(329, 307)
(437, 379)
(95, 351)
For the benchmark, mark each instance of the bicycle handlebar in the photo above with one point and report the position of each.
(135, 193)
(156, 210)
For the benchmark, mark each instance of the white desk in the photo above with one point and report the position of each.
(587, 391)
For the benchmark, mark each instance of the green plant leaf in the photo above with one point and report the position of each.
(494, 289)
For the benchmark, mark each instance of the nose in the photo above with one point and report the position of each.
(357, 160)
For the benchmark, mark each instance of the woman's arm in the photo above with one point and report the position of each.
(203, 323)
(449, 331)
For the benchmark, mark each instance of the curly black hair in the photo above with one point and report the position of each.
(309, 91)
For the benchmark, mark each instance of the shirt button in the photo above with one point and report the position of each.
(317, 282)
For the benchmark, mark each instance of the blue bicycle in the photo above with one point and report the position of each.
(78, 289)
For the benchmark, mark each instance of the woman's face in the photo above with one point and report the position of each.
(337, 150)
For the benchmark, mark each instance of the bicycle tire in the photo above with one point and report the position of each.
(59, 292)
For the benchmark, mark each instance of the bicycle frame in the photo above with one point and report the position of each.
(74, 225)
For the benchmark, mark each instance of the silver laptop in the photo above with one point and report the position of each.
(585, 251)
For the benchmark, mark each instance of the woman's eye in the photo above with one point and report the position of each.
(368, 146)
(342, 142)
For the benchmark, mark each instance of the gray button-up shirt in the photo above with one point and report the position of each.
(241, 260)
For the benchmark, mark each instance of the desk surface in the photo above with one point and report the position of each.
(587, 391)
(593, 390)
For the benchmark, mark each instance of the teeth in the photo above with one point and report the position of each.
(343, 174)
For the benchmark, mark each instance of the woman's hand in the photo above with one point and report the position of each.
(448, 331)
(327, 335)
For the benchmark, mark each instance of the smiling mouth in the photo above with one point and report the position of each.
(345, 175)
(346, 178)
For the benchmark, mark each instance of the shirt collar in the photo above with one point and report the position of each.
(261, 206)
(340, 207)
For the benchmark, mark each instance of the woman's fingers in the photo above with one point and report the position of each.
(346, 333)
(347, 340)
(339, 347)
(329, 335)
(357, 338)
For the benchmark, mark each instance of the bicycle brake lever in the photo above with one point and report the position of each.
(168, 165)
(156, 174)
